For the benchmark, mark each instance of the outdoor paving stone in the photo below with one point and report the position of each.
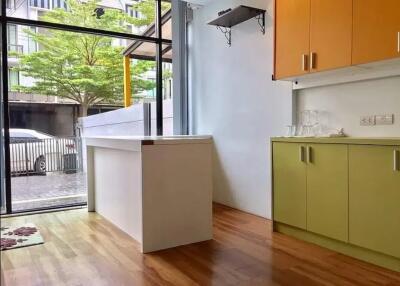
(31, 189)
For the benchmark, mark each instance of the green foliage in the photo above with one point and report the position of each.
(147, 9)
(85, 68)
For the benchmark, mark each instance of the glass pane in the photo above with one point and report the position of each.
(143, 81)
(130, 16)
(168, 117)
(166, 20)
(70, 75)
(32, 45)
(2, 162)
(167, 95)
(12, 39)
(13, 79)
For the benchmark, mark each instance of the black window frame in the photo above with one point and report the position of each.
(5, 20)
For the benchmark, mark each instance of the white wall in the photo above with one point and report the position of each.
(234, 99)
(343, 104)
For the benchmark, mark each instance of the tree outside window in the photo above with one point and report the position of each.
(86, 69)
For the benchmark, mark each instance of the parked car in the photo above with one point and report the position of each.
(34, 152)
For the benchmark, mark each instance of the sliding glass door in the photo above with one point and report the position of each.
(62, 63)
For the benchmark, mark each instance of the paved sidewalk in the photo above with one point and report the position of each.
(54, 189)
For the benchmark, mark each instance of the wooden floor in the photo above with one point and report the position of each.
(84, 249)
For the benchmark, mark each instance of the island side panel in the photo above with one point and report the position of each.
(177, 195)
(118, 189)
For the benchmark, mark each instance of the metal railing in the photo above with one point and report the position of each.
(30, 156)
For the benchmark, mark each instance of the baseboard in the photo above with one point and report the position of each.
(367, 255)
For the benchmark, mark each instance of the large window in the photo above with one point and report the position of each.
(75, 64)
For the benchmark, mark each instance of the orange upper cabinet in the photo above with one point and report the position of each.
(311, 36)
(292, 37)
(376, 30)
(330, 34)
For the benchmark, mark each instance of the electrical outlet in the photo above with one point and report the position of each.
(367, 120)
(385, 119)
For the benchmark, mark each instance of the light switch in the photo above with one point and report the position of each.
(385, 119)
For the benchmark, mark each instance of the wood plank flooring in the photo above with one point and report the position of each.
(84, 249)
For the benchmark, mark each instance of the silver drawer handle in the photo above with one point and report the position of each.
(309, 154)
(301, 154)
(312, 60)
(398, 42)
(304, 62)
(396, 164)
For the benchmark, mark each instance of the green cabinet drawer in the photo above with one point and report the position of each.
(327, 190)
(289, 183)
(374, 198)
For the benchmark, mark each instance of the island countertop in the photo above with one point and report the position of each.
(134, 143)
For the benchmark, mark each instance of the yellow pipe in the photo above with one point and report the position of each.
(127, 81)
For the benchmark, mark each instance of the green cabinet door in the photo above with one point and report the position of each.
(327, 190)
(289, 179)
(374, 198)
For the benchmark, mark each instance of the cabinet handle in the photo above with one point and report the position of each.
(312, 60)
(309, 154)
(304, 62)
(301, 154)
(398, 42)
(395, 160)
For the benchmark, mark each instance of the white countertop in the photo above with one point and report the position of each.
(134, 143)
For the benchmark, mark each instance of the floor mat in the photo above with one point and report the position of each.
(19, 236)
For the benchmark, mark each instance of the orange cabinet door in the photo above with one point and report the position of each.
(292, 37)
(330, 34)
(376, 28)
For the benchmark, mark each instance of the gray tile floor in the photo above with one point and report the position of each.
(54, 189)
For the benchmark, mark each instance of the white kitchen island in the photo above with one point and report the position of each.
(156, 189)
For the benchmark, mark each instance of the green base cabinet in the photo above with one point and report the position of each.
(374, 198)
(327, 190)
(343, 194)
(289, 184)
